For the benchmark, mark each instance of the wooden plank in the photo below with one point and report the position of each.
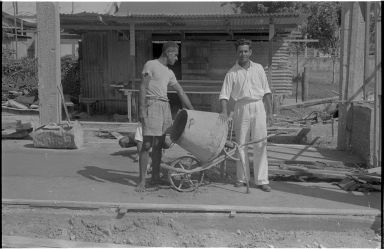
(149, 207)
(375, 170)
(310, 103)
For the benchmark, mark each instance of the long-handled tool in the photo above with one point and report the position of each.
(63, 100)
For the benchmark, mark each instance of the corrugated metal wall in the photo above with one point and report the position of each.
(210, 60)
(105, 61)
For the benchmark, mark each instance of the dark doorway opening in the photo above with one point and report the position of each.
(174, 100)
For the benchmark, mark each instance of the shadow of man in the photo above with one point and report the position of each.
(102, 175)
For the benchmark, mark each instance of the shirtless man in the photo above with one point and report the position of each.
(154, 110)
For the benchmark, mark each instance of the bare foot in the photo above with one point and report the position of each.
(140, 187)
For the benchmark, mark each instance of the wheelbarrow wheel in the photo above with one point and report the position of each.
(185, 182)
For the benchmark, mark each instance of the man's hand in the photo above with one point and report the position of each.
(223, 117)
(141, 117)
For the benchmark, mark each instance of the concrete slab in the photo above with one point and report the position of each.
(104, 172)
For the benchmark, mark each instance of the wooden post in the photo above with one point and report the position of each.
(297, 70)
(49, 68)
(270, 59)
(15, 13)
(351, 70)
(35, 38)
(132, 62)
(270, 52)
(366, 46)
(377, 108)
(305, 84)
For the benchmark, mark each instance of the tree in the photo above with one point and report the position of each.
(266, 7)
(323, 23)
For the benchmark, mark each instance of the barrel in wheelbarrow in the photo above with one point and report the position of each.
(202, 134)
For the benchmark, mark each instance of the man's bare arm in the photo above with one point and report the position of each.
(224, 110)
(267, 99)
(143, 86)
(183, 97)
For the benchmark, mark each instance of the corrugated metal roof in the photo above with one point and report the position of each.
(162, 7)
(180, 19)
(178, 15)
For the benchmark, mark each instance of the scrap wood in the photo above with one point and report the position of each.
(12, 134)
(305, 172)
(19, 131)
(368, 178)
(310, 103)
(376, 170)
(353, 182)
(334, 166)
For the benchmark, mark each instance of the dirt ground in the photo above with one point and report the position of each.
(189, 230)
(197, 230)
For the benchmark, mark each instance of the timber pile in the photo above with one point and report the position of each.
(370, 180)
(307, 170)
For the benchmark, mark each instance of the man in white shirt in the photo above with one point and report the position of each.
(154, 110)
(246, 83)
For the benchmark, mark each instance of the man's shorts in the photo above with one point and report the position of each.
(158, 118)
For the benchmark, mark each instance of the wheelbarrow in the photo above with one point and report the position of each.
(205, 136)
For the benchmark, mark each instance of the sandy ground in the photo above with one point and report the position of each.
(190, 230)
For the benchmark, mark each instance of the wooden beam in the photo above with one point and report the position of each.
(49, 68)
(367, 7)
(310, 103)
(377, 145)
(176, 28)
(132, 62)
(301, 40)
(270, 51)
(351, 71)
(150, 207)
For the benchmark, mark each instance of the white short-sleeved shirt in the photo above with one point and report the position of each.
(245, 84)
(160, 76)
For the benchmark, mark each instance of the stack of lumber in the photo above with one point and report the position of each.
(369, 180)
(305, 169)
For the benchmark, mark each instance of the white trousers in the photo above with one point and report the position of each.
(250, 124)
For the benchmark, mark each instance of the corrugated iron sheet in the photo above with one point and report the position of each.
(178, 19)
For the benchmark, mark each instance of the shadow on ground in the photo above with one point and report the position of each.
(126, 153)
(102, 175)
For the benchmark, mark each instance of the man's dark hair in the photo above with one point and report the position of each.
(241, 42)
(170, 44)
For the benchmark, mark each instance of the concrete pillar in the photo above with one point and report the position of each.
(49, 72)
(351, 66)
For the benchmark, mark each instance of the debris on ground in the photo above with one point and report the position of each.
(20, 131)
(19, 101)
(369, 180)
